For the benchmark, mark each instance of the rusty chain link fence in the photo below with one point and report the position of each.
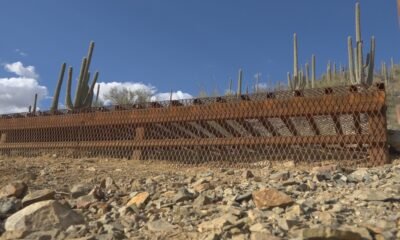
(342, 124)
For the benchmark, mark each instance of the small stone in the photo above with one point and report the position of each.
(269, 198)
(139, 200)
(258, 227)
(160, 226)
(247, 174)
(329, 233)
(217, 223)
(325, 169)
(202, 187)
(9, 206)
(244, 197)
(294, 212)
(37, 196)
(91, 169)
(280, 176)
(239, 237)
(183, 195)
(16, 189)
(286, 224)
(325, 218)
(201, 200)
(83, 202)
(263, 236)
(79, 190)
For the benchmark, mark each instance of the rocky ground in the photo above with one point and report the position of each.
(52, 198)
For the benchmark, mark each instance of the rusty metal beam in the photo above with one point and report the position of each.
(281, 140)
(270, 108)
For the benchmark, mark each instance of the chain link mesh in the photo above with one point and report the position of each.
(343, 124)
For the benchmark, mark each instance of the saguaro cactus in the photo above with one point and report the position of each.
(54, 105)
(297, 82)
(329, 72)
(84, 92)
(35, 104)
(360, 72)
(307, 72)
(240, 79)
(392, 70)
(313, 75)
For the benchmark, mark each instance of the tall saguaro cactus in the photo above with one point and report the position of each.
(297, 82)
(360, 72)
(84, 92)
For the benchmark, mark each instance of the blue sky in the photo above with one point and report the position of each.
(187, 45)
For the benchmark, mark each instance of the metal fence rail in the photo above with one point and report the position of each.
(344, 124)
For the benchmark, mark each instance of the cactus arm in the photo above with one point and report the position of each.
(81, 81)
(360, 61)
(54, 105)
(295, 57)
(289, 79)
(89, 58)
(97, 94)
(358, 22)
(89, 96)
(351, 60)
(371, 63)
(68, 101)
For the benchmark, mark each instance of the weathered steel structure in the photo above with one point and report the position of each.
(343, 124)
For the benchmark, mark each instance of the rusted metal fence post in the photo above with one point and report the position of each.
(3, 138)
(378, 151)
(139, 136)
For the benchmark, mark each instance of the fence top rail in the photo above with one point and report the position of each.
(259, 96)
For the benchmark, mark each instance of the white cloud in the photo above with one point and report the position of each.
(21, 53)
(156, 96)
(17, 93)
(20, 70)
(175, 96)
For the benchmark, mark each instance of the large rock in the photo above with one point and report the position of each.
(16, 189)
(38, 196)
(359, 175)
(42, 216)
(269, 198)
